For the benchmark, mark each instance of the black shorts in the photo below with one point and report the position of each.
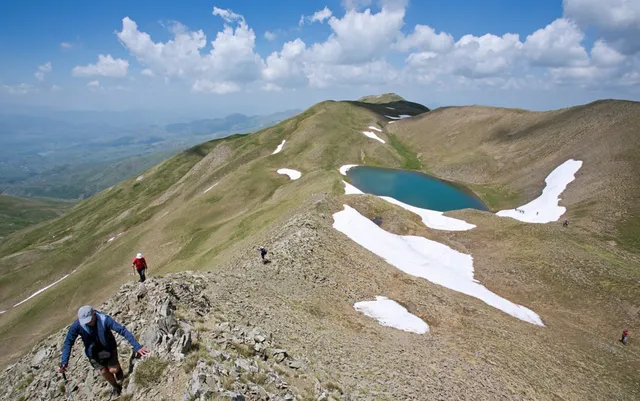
(111, 362)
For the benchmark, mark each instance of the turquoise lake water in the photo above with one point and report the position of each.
(413, 188)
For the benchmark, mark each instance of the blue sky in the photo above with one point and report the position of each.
(538, 55)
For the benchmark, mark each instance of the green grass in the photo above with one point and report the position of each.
(497, 197)
(150, 371)
(18, 213)
(410, 159)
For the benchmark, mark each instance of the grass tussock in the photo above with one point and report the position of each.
(150, 371)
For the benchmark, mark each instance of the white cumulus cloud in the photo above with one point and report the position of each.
(557, 45)
(106, 66)
(270, 36)
(42, 70)
(320, 16)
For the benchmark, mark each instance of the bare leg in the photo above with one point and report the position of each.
(108, 376)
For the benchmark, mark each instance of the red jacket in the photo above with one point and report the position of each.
(140, 263)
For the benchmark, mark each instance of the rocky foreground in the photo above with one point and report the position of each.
(197, 354)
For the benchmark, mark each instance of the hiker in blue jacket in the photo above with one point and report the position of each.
(99, 344)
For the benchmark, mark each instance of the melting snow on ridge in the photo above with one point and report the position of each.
(347, 167)
(293, 174)
(42, 290)
(373, 136)
(433, 219)
(400, 117)
(2, 311)
(140, 178)
(375, 128)
(390, 313)
(424, 258)
(210, 188)
(279, 148)
(430, 218)
(545, 208)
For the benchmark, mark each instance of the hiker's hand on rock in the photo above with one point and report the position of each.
(142, 352)
(62, 368)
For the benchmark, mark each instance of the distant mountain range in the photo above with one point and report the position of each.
(49, 157)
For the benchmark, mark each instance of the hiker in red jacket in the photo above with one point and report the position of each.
(625, 337)
(140, 265)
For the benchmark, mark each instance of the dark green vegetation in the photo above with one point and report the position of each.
(18, 213)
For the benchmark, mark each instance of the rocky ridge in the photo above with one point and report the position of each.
(196, 354)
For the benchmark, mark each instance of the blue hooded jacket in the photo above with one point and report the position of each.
(100, 333)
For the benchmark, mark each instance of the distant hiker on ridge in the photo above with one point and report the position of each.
(99, 344)
(140, 265)
(263, 253)
(565, 223)
(625, 337)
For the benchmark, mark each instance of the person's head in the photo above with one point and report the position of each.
(86, 315)
(139, 255)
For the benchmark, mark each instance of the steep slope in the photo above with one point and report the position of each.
(210, 208)
(18, 213)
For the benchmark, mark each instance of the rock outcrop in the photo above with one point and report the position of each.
(196, 354)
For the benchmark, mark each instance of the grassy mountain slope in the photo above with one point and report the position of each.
(18, 213)
(582, 284)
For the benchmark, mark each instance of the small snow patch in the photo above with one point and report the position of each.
(2, 311)
(347, 167)
(393, 118)
(210, 188)
(351, 190)
(293, 174)
(375, 128)
(279, 148)
(140, 178)
(545, 208)
(404, 116)
(390, 108)
(42, 290)
(373, 136)
(424, 258)
(113, 238)
(390, 313)
(391, 122)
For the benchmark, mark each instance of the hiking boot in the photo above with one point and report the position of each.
(117, 390)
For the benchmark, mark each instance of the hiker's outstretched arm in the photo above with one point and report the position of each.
(120, 329)
(72, 334)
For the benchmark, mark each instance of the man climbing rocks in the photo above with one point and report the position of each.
(625, 337)
(140, 265)
(263, 253)
(99, 344)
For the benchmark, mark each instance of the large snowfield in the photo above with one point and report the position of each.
(279, 148)
(545, 208)
(293, 174)
(390, 313)
(427, 259)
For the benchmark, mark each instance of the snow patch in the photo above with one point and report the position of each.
(42, 290)
(545, 208)
(211, 187)
(2, 311)
(113, 238)
(293, 174)
(424, 258)
(393, 118)
(373, 136)
(404, 116)
(375, 128)
(390, 313)
(279, 148)
(430, 218)
(351, 190)
(347, 167)
(391, 122)
(390, 108)
(140, 178)
(433, 219)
